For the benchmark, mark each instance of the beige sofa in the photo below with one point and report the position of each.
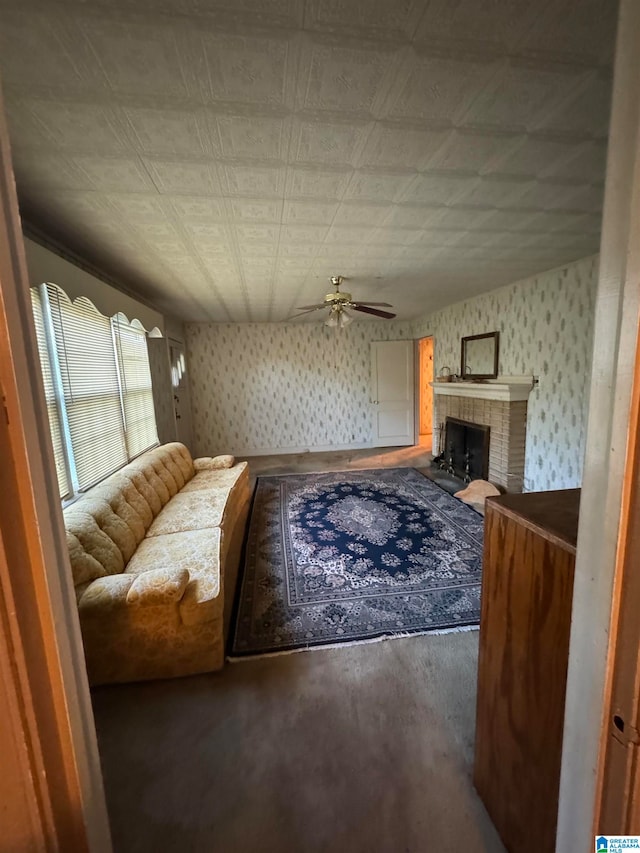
(154, 552)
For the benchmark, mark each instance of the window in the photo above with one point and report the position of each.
(55, 425)
(137, 396)
(98, 388)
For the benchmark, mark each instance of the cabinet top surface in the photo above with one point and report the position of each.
(553, 515)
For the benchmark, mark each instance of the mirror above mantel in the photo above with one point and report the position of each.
(479, 356)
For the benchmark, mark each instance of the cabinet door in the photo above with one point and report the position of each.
(527, 588)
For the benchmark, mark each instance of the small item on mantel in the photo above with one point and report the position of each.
(476, 493)
(444, 375)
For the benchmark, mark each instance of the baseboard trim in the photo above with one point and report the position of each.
(280, 451)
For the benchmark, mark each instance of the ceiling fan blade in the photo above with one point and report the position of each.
(365, 310)
(379, 304)
(312, 307)
(308, 311)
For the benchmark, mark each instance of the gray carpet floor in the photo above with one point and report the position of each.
(362, 749)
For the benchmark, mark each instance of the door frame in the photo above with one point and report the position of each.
(603, 511)
(39, 619)
(619, 769)
(416, 383)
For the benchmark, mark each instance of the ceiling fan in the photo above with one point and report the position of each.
(338, 301)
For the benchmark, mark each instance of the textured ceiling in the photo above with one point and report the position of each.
(224, 157)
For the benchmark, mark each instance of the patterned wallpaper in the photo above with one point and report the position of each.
(546, 329)
(272, 386)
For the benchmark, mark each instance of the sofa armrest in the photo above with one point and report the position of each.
(105, 594)
(158, 586)
(214, 463)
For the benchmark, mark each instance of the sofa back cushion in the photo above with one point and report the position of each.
(105, 526)
(178, 462)
(96, 552)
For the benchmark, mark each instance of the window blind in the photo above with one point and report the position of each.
(55, 426)
(97, 385)
(137, 394)
(91, 387)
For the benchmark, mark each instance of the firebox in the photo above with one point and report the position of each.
(466, 449)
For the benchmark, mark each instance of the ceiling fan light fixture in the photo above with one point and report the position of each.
(338, 318)
(333, 321)
(337, 301)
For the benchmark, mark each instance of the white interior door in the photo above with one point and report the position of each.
(392, 384)
(181, 395)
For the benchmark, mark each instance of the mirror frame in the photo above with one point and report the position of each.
(496, 352)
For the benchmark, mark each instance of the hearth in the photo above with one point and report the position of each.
(466, 450)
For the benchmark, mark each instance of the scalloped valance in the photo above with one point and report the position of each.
(45, 266)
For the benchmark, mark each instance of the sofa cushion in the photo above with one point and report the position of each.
(94, 540)
(163, 474)
(178, 460)
(85, 566)
(196, 551)
(171, 463)
(107, 520)
(114, 492)
(217, 478)
(143, 485)
(146, 479)
(158, 586)
(137, 502)
(191, 511)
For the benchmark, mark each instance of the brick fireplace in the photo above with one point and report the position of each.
(500, 405)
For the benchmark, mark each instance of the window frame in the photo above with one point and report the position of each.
(61, 389)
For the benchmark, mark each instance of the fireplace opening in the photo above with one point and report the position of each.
(466, 450)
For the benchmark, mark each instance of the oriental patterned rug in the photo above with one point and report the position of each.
(353, 556)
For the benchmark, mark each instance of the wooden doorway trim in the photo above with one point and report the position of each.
(425, 373)
(618, 796)
(611, 417)
(45, 686)
(617, 808)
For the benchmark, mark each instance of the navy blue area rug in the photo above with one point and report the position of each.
(355, 555)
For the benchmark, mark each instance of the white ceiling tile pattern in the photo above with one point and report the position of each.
(226, 156)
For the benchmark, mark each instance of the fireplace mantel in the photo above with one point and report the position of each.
(504, 388)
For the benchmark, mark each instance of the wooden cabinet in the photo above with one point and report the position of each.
(527, 587)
